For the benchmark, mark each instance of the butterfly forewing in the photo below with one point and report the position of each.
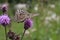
(33, 15)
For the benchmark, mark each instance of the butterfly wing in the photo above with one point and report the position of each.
(33, 15)
(21, 15)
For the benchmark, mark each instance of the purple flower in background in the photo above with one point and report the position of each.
(28, 23)
(4, 8)
(13, 35)
(4, 20)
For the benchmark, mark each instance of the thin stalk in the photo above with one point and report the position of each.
(23, 34)
(6, 33)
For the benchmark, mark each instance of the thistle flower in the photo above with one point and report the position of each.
(17, 37)
(28, 23)
(10, 34)
(4, 20)
(4, 8)
(13, 36)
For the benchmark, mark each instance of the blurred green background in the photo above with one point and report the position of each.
(46, 25)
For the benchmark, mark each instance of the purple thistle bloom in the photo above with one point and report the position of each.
(4, 8)
(4, 20)
(28, 23)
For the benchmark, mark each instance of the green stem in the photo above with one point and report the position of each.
(23, 34)
(6, 33)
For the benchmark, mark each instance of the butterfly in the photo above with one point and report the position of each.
(21, 15)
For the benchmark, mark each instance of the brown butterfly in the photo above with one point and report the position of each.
(21, 15)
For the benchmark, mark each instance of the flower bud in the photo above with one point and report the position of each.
(28, 23)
